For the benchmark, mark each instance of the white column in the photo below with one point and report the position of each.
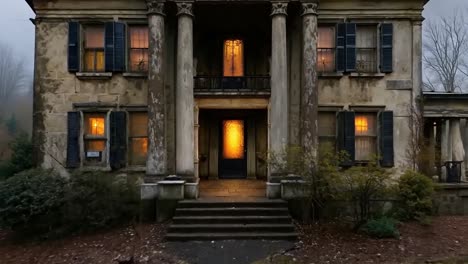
(458, 151)
(184, 92)
(156, 164)
(279, 80)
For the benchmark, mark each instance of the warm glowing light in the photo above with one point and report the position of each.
(96, 126)
(233, 139)
(233, 58)
(361, 123)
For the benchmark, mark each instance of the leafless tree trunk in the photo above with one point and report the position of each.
(12, 75)
(445, 53)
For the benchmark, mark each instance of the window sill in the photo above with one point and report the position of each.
(94, 75)
(330, 74)
(135, 74)
(366, 75)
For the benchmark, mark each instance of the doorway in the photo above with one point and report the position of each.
(233, 152)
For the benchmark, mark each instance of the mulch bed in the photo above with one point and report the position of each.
(446, 237)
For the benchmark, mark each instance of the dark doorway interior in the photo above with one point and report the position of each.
(233, 149)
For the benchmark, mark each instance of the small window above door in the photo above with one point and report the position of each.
(233, 58)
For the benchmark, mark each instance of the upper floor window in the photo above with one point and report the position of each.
(233, 58)
(139, 43)
(366, 48)
(94, 49)
(326, 49)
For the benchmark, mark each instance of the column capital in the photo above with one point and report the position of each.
(184, 8)
(309, 8)
(279, 8)
(155, 7)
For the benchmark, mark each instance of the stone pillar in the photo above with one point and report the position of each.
(458, 151)
(445, 146)
(184, 92)
(417, 58)
(279, 80)
(156, 164)
(309, 92)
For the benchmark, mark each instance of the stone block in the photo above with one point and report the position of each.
(191, 190)
(291, 189)
(273, 190)
(171, 190)
(148, 191)
(399, 85)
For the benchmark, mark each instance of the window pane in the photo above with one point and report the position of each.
(326, 123)
(94, 37)
(365, 125)
(366, 139)
(366, 36)
(139, 37)
(100, 64)
(365, 148)
(95, 124)
(89, 60)
(138, 151)
(233, 58)
(233, 139)
(139, 60)
(366, 51)
(326, 37)
(138, 124)
(95, 145)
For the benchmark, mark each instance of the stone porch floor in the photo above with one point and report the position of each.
(232, 188)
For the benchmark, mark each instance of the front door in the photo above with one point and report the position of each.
(233, 152)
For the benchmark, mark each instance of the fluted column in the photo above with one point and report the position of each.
(184, 92)
(279, 80)
(309, 91)
(156, 164)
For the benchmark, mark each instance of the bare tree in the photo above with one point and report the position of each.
(12, 75)
(445, 53)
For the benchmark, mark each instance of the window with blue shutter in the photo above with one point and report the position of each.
(73, 47)
(340, 47)
(118, 140)
(386, 139)
(346, 134)
(109, 46)
(350, 47)
(386, 47)
(115, 47)
(73, 136)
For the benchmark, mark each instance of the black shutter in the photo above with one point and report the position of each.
(340, 47)
(350, 47)
(73, 143)
(346, 135)
(109, 46)
(73, 46)
(386, 138)
(118, 140)
(386, 48)
(119, 47)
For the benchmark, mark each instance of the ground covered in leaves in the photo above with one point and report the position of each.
(444, 241)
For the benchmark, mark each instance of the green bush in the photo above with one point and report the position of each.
(41, 202)
(32, 201)
(383, 227)
(21, 158)
(414, 194)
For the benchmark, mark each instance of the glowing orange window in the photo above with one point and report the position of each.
(361, 124)
(233, 139)
(233, 58)
(96, 126)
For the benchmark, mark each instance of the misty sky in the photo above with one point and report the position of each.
(18, 31)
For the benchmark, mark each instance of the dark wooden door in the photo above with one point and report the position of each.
(233, 149)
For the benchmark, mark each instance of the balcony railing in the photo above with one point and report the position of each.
(366, 60)
(203, 83)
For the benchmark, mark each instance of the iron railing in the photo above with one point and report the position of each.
(259, 83)
(366, 60)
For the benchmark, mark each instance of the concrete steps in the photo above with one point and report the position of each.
(227, 219)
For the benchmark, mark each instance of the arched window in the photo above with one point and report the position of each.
(233, 58)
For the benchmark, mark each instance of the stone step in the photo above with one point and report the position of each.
(228, 236)
(207, 203)
(230, 228)
(229, 211)
(256, 219)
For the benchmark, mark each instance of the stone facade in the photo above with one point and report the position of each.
(281, 44)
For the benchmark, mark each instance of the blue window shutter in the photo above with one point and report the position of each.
(386, 139)
(109, 46)
(118, 140)
(73, 139)
(340, 47)
(73, 46)
(119, 47)
(350, 47)
(386, 48)
(346, 135)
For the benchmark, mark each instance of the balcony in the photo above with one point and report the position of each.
(366, 60)
(245, 85)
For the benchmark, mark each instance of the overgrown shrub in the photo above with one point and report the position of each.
(32, 201)
(382, 227)
(98, 200)
(414, 193)
(41, 202)
(21, 158)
